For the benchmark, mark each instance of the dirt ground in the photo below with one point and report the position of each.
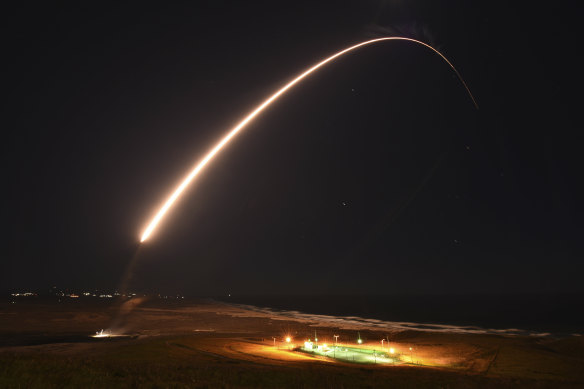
(179, 343)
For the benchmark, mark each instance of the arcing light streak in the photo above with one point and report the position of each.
(198, 167)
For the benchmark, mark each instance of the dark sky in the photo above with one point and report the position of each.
(377, 175)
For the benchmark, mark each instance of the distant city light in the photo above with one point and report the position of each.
(85, 294)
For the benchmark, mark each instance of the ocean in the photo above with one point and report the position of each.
(547, 314)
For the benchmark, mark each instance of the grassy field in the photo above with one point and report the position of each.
(212, 346)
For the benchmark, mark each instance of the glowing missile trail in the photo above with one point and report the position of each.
(199, 166)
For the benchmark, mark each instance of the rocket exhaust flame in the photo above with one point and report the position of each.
(199, 166)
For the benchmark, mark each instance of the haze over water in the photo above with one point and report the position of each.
(558, 314)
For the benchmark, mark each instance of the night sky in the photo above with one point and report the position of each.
(375, 176)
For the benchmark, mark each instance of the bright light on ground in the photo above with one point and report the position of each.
(350, 354)
(107, 334)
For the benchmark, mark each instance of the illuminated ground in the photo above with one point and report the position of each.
(207, 344)
(347, 353)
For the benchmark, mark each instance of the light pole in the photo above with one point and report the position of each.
(382, 340)
(273, 337)
(336, 339)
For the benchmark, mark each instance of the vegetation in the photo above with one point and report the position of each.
(173, 362)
